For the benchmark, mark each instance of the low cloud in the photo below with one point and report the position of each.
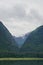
(23, 15)
(18, 12)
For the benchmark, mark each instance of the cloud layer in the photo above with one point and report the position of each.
(21, 16)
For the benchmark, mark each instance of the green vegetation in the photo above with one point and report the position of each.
(15, 59)
(26, 62)
(4, 54)
(6, 39)
(34, 41)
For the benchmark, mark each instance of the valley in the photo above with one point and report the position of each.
(31, 46)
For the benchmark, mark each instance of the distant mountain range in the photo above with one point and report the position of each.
(30, 42)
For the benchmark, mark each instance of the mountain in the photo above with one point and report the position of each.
(20, 40)
(34, 41)
(7, 43)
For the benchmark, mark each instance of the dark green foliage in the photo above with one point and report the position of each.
(20, 55)
(34, 42)
(6, 39)
(21, 62)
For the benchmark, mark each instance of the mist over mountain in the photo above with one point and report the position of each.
(20, 40)
(7, 41)
(34, 41)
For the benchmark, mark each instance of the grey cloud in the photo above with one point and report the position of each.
(4, 14)
(18, 12)
(35, 15)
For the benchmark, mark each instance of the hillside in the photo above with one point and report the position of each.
(34, 41)
(6, 39)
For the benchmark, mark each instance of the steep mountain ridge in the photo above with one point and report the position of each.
(34, 42)
(6, 39)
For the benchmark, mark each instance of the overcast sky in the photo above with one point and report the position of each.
(21, 16)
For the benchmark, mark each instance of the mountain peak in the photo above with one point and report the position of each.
(0, 22)
(40, 28)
